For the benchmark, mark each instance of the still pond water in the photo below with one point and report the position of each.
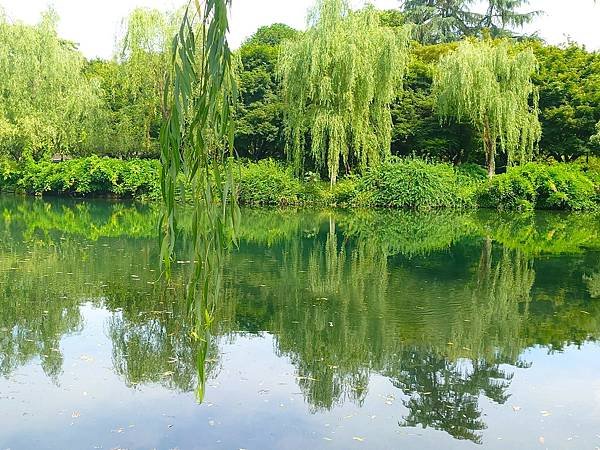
(337, 331)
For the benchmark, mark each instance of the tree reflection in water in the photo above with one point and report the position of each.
(442, 304)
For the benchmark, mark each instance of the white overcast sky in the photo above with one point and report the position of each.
(93, 23)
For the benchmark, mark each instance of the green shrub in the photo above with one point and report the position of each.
(510, 191)
(416, 184)
(539, 186)
(91, 176)
(344, 192)
(471, 173)
(268, 183)
(9, 175)
(593, 173)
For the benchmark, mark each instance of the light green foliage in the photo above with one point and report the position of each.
(338, 81)
(143, 55)
(560, 186)
(46, 104)
(268, 183)
(83, 177)
(416, 184)
(488, 85)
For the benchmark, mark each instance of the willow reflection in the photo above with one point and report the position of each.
(441, 304)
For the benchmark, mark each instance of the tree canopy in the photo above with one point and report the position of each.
(144, 54)
(338, 81)
(489, 85)
(46, 104)
(259, 125)
(569, 84)
(450, 20)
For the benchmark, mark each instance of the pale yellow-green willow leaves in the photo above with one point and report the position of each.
(489, 85)
(338, 81)
(47, 105)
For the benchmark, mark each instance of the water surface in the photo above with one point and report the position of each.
(337, 330)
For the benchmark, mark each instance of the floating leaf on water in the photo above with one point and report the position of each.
(306, 378)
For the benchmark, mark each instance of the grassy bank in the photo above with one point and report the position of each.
(398, 183)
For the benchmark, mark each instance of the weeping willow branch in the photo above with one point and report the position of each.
(197, 151)
(338, 81)
(486, 84)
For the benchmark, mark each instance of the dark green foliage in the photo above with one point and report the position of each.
(259, 126)
(451, 20)
(416, 128)
(8, 175)
(569, 85)
(558, 187)
(83, 177)
(417, 184)
(268, 183)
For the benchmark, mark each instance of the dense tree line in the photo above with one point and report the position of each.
(115, 108)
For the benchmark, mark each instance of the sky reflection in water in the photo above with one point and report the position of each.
(337, 330)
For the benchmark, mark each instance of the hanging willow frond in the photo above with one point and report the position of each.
(197, 149)
(338, 81)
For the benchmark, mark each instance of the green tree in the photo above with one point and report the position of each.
(439, 20)
(259, 125)
(450, 20)
(488, 85)
(143, 55)
(416, 128)
(595, 139)
(569, 85)
(503, 16)
(46, 104)
(338, 81)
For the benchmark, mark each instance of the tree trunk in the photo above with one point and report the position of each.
(489, 142)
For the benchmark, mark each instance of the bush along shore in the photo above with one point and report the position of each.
(398, 183)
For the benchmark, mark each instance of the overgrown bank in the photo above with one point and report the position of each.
(398, 183)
